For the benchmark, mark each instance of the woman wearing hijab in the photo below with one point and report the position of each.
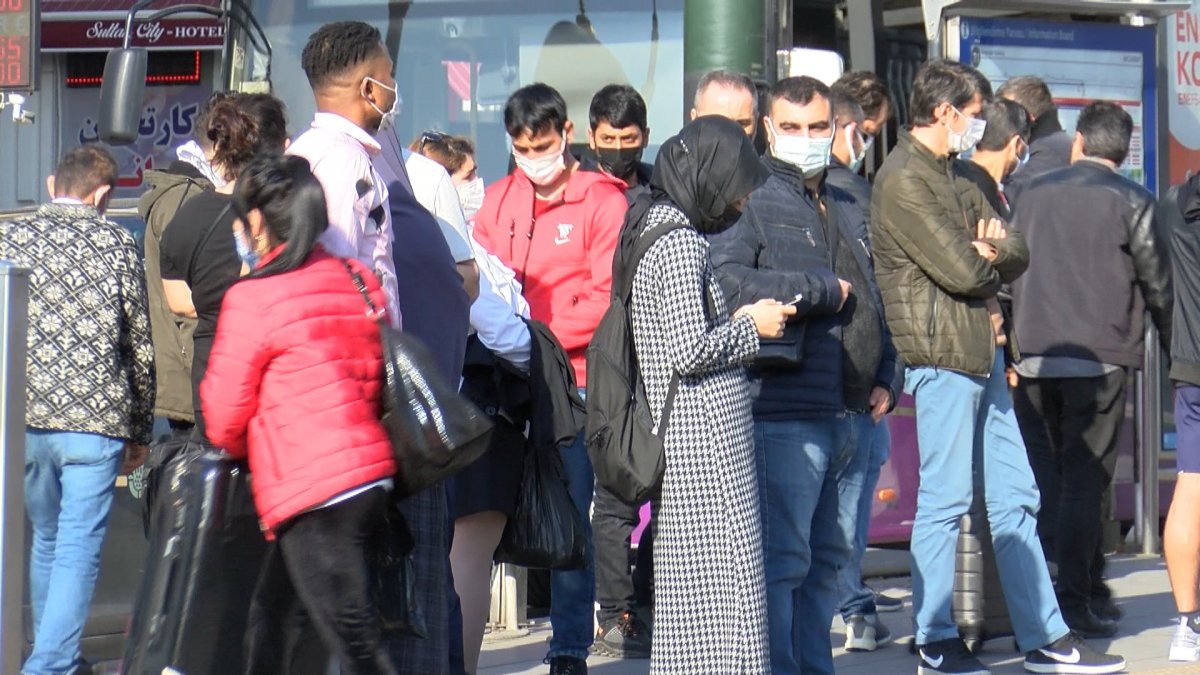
(708, 554)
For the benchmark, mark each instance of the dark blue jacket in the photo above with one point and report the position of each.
(778, 248)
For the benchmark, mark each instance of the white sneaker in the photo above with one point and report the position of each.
(1185, 643)
(866, 633)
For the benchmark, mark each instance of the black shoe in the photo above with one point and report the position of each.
(1070, 654)
(1106, 609)
(948, 657)
(627, 637)
(1089, 625)
(567, 665)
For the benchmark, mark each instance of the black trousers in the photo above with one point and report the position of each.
(1071, 427)
(316, 570)
(613, 522)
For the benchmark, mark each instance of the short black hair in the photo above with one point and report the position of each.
(84, 169)
(799, 90)
(846, 109)
(620, 105)
(1005, 119)
(1106, 129)
(534, 109)
(1030, 92)
(336, 48)
(868, 89)
(939, 82)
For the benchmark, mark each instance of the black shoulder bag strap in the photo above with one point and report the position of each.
(710, 311)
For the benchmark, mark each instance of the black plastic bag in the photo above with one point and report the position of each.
(394, 581)
(435, 431)
(546, 531)
(203, 560)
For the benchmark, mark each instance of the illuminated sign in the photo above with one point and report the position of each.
(18, 44)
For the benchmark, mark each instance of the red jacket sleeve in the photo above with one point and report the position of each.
(240, 354)
(573, 326)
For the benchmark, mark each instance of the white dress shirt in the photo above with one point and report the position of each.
(435, 191)
(497, 315)
(360, 220)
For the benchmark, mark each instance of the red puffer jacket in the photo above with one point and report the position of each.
(295, 382)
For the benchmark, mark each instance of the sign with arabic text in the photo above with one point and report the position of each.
(168, 121)
(101, 36)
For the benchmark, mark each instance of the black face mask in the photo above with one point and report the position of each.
(619, 163)
(722, 222)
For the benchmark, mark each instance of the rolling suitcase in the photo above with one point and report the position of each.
(978, 602)
(205, 552)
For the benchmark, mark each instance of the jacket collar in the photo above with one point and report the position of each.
(1097, 164)
(335, 122)
(577, 185)
(68, 211)
(1044, 126)
(920, 152)
(794, 176)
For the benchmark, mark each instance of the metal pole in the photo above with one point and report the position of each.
(1149, 415)
(14, 322)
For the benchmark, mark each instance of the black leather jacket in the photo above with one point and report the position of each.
(1097, 262)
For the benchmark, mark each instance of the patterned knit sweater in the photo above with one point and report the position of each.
(90, 359)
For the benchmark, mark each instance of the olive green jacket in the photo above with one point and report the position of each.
(935, 284)
(172, 334)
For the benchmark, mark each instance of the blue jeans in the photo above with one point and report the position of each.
(805, 542)
(573, 593)
(956, 412)
(69, 483)
(874, 444)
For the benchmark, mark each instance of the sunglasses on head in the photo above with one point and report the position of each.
(430, 137)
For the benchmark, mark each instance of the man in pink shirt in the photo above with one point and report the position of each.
(350, 72)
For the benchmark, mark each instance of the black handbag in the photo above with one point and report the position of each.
(783, 353)
(546, 530)
(434, 431)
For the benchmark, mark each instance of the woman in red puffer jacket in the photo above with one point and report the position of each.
(294, 383)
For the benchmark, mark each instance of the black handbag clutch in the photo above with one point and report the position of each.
(784, 353)
(434, 431)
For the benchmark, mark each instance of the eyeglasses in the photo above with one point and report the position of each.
(430, 137)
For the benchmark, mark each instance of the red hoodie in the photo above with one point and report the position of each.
(564, 258)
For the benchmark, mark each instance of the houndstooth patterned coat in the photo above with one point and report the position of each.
(710, 598)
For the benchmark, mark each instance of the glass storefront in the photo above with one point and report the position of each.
(457, 61)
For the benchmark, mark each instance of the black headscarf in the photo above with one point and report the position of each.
(707, 167)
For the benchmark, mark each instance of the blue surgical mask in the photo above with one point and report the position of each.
(810, 155)
(246, 254)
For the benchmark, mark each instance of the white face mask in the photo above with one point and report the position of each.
(810, 155)
(856, 161)
(470, 196)
(544, 170)
(390, 116)
(969, 138)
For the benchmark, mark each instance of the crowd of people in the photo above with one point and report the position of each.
(997, 269)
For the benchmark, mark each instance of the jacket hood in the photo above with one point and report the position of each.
(163, 180)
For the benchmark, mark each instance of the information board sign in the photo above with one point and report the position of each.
(1081, 63)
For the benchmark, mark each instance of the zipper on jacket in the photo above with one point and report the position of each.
(932, 315)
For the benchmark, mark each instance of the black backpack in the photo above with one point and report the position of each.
(627, 455)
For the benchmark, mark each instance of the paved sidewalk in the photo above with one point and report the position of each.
(1140, 585)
